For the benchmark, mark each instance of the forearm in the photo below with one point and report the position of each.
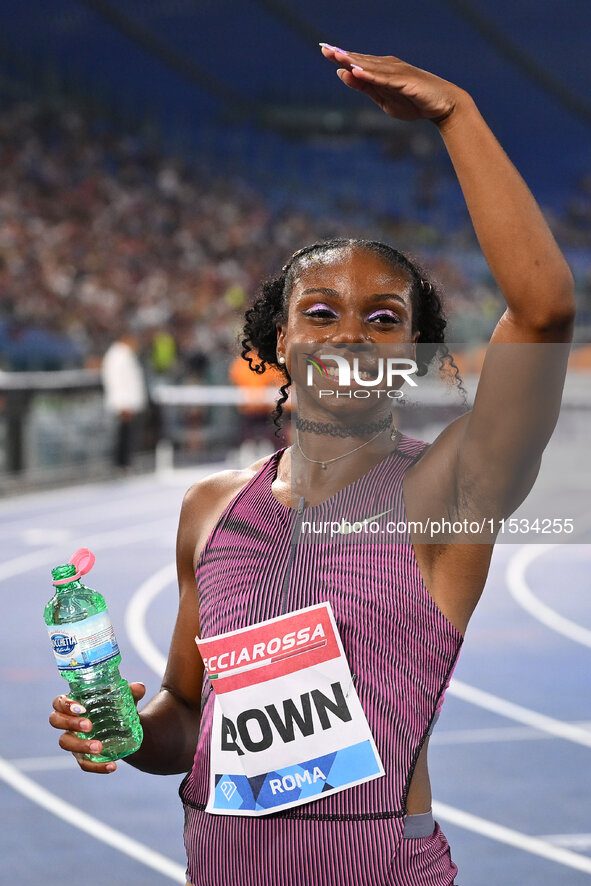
(515, 239)
(171, 729)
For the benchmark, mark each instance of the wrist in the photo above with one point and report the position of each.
(463, 106)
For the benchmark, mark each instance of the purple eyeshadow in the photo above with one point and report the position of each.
(383, 312)
(320, 306)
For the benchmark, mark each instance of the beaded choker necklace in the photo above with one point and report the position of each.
(320, 427)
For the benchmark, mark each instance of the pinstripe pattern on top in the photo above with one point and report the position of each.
(400, 647)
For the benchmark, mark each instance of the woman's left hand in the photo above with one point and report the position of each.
(400, 90)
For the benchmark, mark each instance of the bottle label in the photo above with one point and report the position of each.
(84, 644)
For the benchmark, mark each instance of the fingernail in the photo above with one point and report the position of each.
(110, 767)
(357, 68)
(95, 746)
(85, 725)
(335, 48)
(77, 709)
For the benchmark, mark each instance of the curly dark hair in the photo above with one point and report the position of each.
(271, 306)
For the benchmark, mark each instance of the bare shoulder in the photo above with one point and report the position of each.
(205, 501)
(220, 485)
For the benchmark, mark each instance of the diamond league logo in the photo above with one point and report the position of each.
(228, 789)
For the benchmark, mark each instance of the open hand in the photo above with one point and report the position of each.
(400, 90)
(69, 714)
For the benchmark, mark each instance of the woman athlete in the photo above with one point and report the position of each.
(401, 610)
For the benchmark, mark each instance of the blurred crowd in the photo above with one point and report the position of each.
(101, 232)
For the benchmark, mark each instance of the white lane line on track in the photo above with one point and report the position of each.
(502, 834)
(135, 617)
(43, 535)
(84, 496)
(494, 734)
(522, 594)
(84, 822)
(43, 764)
(568, 731)
(117, 503)
(54, 554)
(572, 841)
(148, 502)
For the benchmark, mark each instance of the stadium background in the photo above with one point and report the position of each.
(156, 161)
(160, 159)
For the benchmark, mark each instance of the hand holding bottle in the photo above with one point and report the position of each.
(69, 715)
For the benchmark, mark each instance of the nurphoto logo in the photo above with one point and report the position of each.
(362, 372)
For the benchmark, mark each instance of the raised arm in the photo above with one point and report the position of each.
(498, 446)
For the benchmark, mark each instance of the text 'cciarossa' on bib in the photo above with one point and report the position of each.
(288, 727)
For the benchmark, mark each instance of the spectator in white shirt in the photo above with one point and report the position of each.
(125, 394)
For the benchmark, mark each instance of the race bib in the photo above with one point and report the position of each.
(288, 727)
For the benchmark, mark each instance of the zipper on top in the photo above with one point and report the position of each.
(295, 540)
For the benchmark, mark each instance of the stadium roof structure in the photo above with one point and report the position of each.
(527, 62)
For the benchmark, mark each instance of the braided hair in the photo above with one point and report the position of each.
(271, 307)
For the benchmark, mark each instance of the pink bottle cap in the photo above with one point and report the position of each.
(83, 560)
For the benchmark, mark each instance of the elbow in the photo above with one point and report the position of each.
(559, 322)
(556, 312)
(564, 305)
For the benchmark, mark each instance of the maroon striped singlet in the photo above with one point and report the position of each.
(257, 564)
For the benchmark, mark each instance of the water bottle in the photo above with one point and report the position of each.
(88, 657)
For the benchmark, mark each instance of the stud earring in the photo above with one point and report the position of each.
(282, 359)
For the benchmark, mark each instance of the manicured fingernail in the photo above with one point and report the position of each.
(95, 746)
(357, 68)
(77, 709)
(85, 725)
(110, 767)
(335, 48)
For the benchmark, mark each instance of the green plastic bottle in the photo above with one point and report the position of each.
(87, 655)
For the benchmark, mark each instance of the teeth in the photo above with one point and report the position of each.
(333, 372)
